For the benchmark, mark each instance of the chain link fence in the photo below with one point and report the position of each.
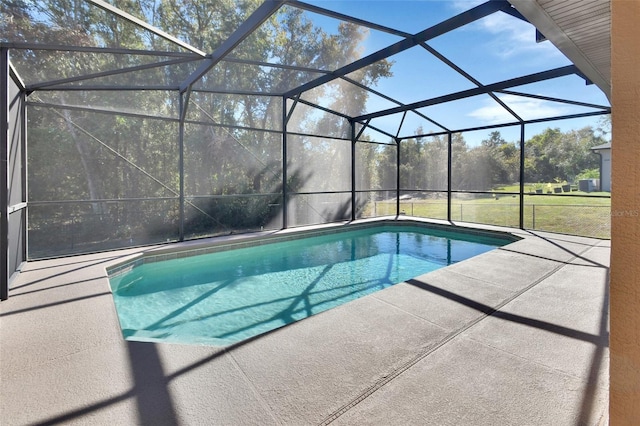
(584, 220)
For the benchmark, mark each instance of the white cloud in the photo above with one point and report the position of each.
(527, 108)
(511, 36)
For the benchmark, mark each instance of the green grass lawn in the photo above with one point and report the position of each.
(578, 214)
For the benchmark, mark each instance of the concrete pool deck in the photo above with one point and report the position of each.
(517, 336)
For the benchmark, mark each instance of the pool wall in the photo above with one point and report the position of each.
(218, 244)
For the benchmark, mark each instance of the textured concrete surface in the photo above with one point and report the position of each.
(515, 336)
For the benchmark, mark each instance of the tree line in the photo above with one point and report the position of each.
(550, 156)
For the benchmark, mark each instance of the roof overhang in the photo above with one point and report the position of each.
(601, 147)
(580, 29)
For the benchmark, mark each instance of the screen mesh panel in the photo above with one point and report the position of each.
(318, 164)
(309, 209)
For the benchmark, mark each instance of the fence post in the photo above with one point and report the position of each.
(534, 217)
(73, 232)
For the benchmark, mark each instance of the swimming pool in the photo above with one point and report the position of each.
(228, 296)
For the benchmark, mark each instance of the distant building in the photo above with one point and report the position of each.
(604, 151)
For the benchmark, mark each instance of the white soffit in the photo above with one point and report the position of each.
(581, 29)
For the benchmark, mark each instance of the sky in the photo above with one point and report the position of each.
(493, 49)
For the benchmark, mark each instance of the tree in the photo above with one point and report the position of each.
(387, 167)
(496, 161)
(554, 155)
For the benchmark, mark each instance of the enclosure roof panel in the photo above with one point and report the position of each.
(241, 76)
(345, 97)
(406, 124)
(505, 42)
(570, 87)
(332, 44)
(418, 75)
(50, 68)
(466, 113)
(529, 108)
(162, 103)
(82, 23)
(408, 16)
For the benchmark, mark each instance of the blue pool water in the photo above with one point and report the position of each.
(225, 297)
